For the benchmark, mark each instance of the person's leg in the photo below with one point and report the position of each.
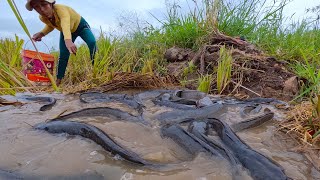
(88, 37)
(63, 57)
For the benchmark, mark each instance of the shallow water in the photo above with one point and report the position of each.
(36, 154)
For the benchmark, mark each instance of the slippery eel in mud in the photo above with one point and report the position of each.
(93, 133)
(181, 99)
(200, 130)
(253, 101)
(259, 166)
(49, 100)
(103, 111)
(164, 100)
(9, 175)
(178, 116)
(187, 141)
(253, 122)
(97, 97)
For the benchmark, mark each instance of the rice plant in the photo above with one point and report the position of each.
(10, 51)
(205, 83)
(23, 25)
(224, 69)
(10, 79)
(309, 70)
(141, 50)
(11, 76)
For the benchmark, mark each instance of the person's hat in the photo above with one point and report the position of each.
(30, 8)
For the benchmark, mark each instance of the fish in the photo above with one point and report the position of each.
(253, 122)
(253, 102)
(8, 175)
(146, 95)
(49, 100)
(173, 105)
(178, 116)
(103, 111)
(187, 141)
(251, 109)
(93, 133)
(5, 175)
(259, 166)
(106, 142)
(98, 97)
(200, 130)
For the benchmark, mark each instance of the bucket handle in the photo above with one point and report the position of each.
(24, 47)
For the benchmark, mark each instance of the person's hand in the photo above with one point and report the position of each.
(71, 46)
(58, 82)
(37, 36)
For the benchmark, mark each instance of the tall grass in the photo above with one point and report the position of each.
(298, 43)
(10, 66)
(141, 50)
(205, 83)
(224, 69)
(23, 25)
(10, 51)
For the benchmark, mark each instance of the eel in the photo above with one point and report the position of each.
(9, 175)
(49, 100)
(251, 109)
(187, 141)
(97, 97)
(200, 130)
(253, 122)
(146, 95)
(259, 166)
(93, 133)
(187, 97)
(173, 105)
(178, 116)
(106, 142)
(102, 111)
(254, 101)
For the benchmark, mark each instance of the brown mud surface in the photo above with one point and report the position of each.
(254, 73)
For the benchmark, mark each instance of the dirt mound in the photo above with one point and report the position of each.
(253, 72)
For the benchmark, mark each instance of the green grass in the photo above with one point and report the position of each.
(23, 25)
(205, 83)
(141, 50)
(10, 51)
(11, 76)
(224, 69)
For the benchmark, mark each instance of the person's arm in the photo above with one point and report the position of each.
(46, 30)
(64, 16)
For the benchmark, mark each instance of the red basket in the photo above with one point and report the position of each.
(33, 69)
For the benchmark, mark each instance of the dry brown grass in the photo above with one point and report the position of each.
(301, 125)
(123, 81)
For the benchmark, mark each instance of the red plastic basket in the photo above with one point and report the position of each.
(33, 69)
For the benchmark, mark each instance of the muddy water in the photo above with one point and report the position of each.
(35, 154)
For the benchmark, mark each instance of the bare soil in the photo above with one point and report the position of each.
(254, 73)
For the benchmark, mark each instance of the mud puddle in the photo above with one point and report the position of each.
(35, 154)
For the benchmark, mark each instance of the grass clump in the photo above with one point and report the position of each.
(303, 123)
(224, 69)
(205, 83)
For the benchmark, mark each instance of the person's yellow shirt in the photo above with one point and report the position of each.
(67, 21)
